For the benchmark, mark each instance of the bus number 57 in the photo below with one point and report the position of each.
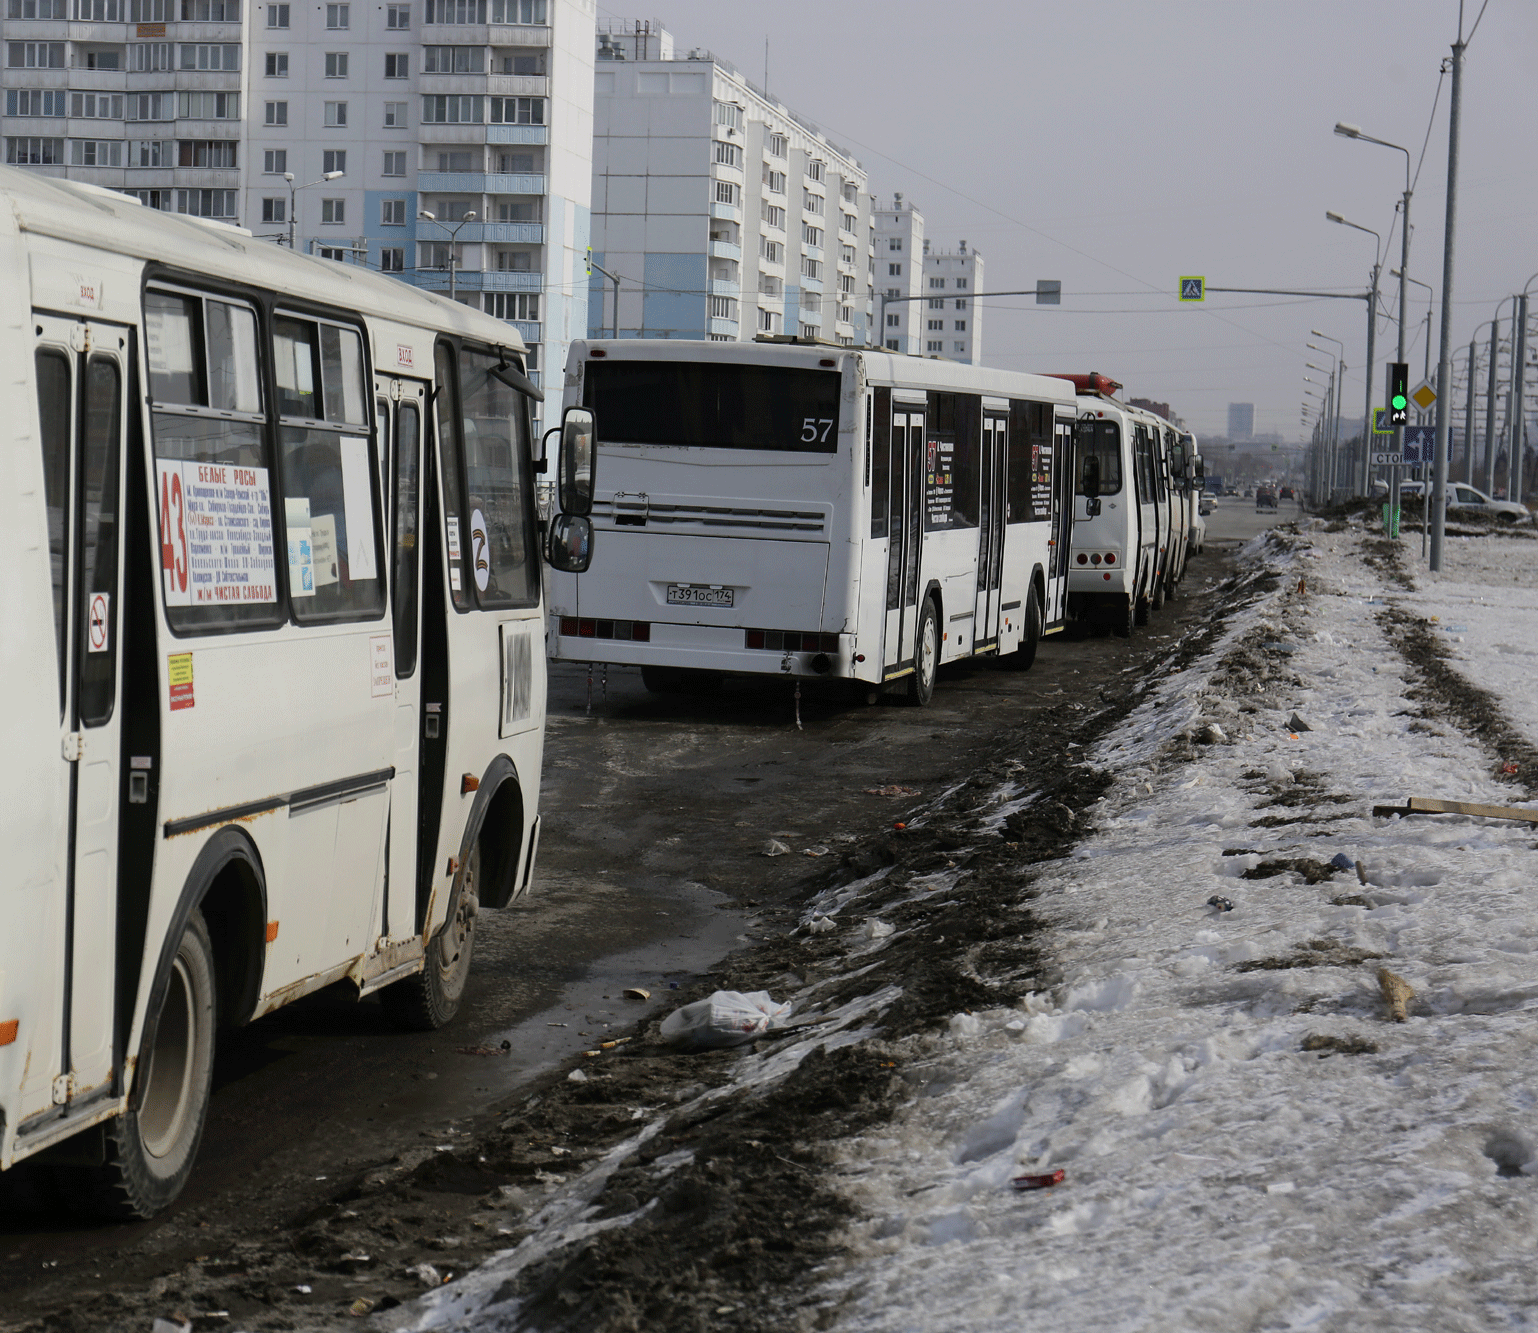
(810, 433)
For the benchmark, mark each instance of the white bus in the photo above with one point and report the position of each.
(1132, 529)
(787, 507)
(271, 660)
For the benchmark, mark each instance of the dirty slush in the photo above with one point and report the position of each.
(733, 1234)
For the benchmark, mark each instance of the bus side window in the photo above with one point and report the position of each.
(53, 410)
(325, 453)
(881, 464)
(99, 479)
(408, 437)
(450, 453)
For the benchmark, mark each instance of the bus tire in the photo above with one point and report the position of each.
(1140, 614)
(1024, 657)
(1158, 594)
(1126, 618)
(926, 656)
(428, 1000)
(151, 1147)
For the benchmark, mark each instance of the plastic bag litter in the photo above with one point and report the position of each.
(727, 1018)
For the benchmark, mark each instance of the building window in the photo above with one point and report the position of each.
(96, 152)
(34, 152)
(811, 268)
(395, 115)
(210, 55)
(814, 169)
(895, 244)
(515, 261)
(934, 347)
(766, 321)
(398, 16)
(392, 259)
(88, 106)
(334, 159)
(277, 113)
(772, 252)
(961, 347)
(518, 11)
(847, 222)
(456, 11)
(277, 64)
(207, 203)
(337, 16)
(961, 284)
(937, 326)
(961, 326)
(394, 164)
(892, 321)
(775, 180)
(721, 307)
(894, 270)
(846, 254)
(521, 211)
(515, 164)
(811, 235)
(936, 283)
(149, 57)
(454, 60)
(777, 145)
(812, 203)
(336, 115)
(210, 11)
(206, 153)
(333, 210)
(460, 161)
(208, 106)
(336, 64)
(726, 192)
(444, 109)
(274, 161)
(34, 55)
(512, 305)
(936, 304)
(435, 254)
(274, 210)
(150, 153)
(277, 16)
(37, 9)
(728, 155)
(517, 110)
(893, 292)
(396, 65)
(892, 345)
(772, 216)
(392, 213)
(961, 304)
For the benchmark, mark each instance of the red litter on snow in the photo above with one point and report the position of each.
(899, 825)
(1508, 768)
(1045, 1182)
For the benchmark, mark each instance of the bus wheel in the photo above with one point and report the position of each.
(1126, 618)
(1140, 613)
(428, 1000)
(927, 656)
(150, 1147)
(1024, 657)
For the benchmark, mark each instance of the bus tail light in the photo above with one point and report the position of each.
(1083, 559)
(1110, 557)
(639, 631)
(1095, 559)
(790, 641)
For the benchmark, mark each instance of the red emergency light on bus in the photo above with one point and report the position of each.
(1094, 382)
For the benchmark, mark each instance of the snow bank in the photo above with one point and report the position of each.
(1231, 1163)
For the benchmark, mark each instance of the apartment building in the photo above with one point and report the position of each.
(900, 247)
(334, 126)
(953, 322)
(722, 213)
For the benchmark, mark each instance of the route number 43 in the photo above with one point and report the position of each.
(814, 430)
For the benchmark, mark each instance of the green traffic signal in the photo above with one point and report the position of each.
(1400, 402)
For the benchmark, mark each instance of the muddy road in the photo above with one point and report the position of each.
(341, 1156)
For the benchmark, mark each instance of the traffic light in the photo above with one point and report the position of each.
(1398, 393)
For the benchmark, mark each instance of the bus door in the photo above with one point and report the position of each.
(81, 382)
(401, 411)
(1063, 464)
(990, 537)
(906, 479)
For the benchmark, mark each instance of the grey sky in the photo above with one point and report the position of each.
(1138, 140)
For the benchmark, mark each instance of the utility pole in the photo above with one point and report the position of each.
(1518, 417)
(1495, 347)
(1468, 421)
(614, 278)
(1438, 520)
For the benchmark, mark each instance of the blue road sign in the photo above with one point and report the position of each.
(1420, 443)
(1193, 289)
(1380, 424)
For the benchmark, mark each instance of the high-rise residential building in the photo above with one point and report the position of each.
(953, 322)
(722, 213)
(900, 246)
(1241, 421)
(241, 109)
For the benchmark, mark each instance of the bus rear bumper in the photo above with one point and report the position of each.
(711, 648)
(1098, 581)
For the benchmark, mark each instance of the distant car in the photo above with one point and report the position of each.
(1285, 493)
(1265, 498)
(1231, 491)
(1204, 506)
(1463, 499)
(1248, 491)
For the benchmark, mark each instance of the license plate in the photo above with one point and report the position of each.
(689, 594)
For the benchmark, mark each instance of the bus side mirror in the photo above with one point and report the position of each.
(569, 543)
(578, 434)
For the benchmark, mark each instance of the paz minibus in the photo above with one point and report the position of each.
(793, 507)
(272, 653)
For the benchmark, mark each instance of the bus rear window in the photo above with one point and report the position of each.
(692, 404)
(1102, 439)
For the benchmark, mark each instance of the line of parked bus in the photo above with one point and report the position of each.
(275, 621)
(780, 507)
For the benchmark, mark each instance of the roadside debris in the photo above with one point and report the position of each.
(176, 1324)
(1042, 1182)
(1327, 1046)
(727, 1018)
(1425, 805)
(774, 847)
(636, 993)
(505, 1048)
(1296, 723)
(876, 930)
(360, 1307)
(1396, 994)
(1221, 904)
(426, 1274)
(892, 789)
(1211, 734)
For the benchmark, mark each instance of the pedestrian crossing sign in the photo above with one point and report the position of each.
(1193, 289)
(1380, 424)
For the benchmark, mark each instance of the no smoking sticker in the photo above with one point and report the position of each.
(98, 619)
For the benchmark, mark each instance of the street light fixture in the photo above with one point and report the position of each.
(293, 190)
(453, 232)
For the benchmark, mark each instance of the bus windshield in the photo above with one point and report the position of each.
(715, 405)
(1102, 440)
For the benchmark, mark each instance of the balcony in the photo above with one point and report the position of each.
(725, 250)
(727, 212)
(517, 34)
(730, 327)
(471, 280)
(505, 233)
(95, 80)
(517, 134)
(518, 85)
(721, 288)
(477, 182)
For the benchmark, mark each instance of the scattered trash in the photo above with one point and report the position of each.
(360, 1307)
(1361, 874)
(1211, 734)
(1296, 723)
(1222, 904)
(1508, 768)
(821, 925)
(303, 1289)
(877, 930)
(774, 847)
(176, 1324)
(892, 789)
(1327, 1046)
(672, 985)
(1396, 994)
(636, 993)
(1424, 805)
(577, 1076)
(557, 1025)
(727, 1018)
(1456, 629)
(504, 1049)
(1341, 861)
(899, 826)
(819, 850)
(1042, 1182)
(426, 1274)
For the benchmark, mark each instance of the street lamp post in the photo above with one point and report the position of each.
(1430, 303)
(293, 191)
(1518, 389)
(1331, 443)
(1340, 359)
(614, 278)
(1372, 332)
(1349, 131)
(453, 241)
